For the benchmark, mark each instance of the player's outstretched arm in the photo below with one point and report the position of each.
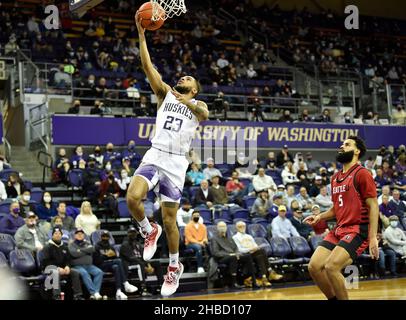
(327, 215)
(159, 87)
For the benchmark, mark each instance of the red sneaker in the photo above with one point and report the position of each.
(151, 241)
(171, 282)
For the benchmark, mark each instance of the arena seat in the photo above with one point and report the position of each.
(36, 194)
(256, 230)
(249, 202)
(3, 260)
(123, 208)
(7, 243)
(21, 260)
(315, 241)
(264, 244)
(300, 247)
(5, 206)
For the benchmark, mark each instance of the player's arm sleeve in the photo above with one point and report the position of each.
(366, 185)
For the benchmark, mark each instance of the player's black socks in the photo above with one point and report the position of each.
(333, 298)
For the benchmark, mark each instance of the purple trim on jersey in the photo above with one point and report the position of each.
(168, 189)
(147, 171)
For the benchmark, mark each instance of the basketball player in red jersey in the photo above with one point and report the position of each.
(355, 207)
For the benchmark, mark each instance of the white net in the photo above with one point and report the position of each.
(164, 9)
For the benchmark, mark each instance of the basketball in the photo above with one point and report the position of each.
(145, 12)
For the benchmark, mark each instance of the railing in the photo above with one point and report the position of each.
(7, 149)
(236, 103)
(37, 136)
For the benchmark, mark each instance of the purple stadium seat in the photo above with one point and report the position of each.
(264, 244)
(75, 178)
(21, 260)
(300, 247)
(123, 208)
(5, 206)
(231, 230)
(242, 214)
(36, 194)
(206, 214)
(3, 260)
(315, 241)
(7, 243)
(249, 202)
(257, 230)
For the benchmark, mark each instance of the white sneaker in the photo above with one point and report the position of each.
(97, 296)
(171, 282)
(200, 270)
(151, 241)
(120, 295)
(129, 288)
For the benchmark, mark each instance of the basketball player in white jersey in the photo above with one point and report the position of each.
(164, 166)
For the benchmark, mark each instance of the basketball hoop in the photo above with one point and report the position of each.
(171, 7)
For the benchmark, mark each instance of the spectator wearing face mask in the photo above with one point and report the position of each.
(123, 182)
(107, 170)
(114, 157)
(108, 194)
(184, 213)
(397, 206)
(30, 236)
(14, 186)
(132, 154)
(86, 220)
(47, 208)
(98, 157)
(10, 223)
(75, 108)
(105, 257)
(395, 237)
(196, 239)
(25, 204)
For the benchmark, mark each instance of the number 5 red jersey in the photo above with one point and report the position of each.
(349, 191)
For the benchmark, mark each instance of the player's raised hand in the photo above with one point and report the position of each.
(138, 21)
(312, 220)
(180, 97)
(374, 248)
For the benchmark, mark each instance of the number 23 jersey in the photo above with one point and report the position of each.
(349, 191)
(175, 126)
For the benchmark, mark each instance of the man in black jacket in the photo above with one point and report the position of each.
(56, 253)
(225, 251)
(92, 179)
(131, 252)
(105, 258)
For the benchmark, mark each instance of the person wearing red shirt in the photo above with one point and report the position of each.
(320, 228)
(355, 207)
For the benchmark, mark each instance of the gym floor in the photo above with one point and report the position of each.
(386, 289)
